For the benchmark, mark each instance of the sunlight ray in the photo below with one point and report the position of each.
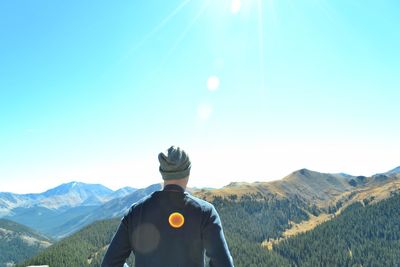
(296, 10)
(188, 27)
(162, 23)
(327, 9)
(182, 36)
(261, 44)
(272, 13)
(156, 29)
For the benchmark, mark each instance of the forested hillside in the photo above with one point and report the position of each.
(84, 248)
(250, 220)
(360, 236)
(18, 242)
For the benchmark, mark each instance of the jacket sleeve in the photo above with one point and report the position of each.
(215, 243)
(119, 249)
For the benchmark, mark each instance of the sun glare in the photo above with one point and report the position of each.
(235, 6)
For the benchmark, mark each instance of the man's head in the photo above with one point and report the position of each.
(175, 166)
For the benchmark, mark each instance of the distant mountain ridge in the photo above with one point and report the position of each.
(111, 209)
(47, 211)
(314, 188)
(66, 195)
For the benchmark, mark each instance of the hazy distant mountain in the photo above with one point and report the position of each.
(18, 242)
(81, 189)
(46, 211)
(61, 197)
(111, 209)
(121, 192)
(119, 206)
(74, 194)
(9, 201)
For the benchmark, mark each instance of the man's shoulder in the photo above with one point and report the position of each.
(142, 202)
(205, 205)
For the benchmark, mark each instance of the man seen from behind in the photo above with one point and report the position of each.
(170, 228)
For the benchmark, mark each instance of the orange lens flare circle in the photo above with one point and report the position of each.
(176, 220)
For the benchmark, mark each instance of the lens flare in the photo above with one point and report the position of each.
(176, 220)
(213, 83)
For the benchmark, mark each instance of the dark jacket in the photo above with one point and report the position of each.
(146, 231)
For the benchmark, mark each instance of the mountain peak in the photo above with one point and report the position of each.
(303, 172)
(314, 185)
(78, 187)
(304, 175)
(393, 171)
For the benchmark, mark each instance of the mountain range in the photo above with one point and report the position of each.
(314, 188)
(270, 212)
(47, 211)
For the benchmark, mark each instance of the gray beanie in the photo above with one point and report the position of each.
(176, 165)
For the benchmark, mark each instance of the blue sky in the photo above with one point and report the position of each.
(253, 90)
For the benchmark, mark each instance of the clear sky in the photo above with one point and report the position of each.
(254, 89)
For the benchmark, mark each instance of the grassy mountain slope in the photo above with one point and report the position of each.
(311, 187)
(18, 242)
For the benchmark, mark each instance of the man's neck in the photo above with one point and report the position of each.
(181, 182)
(173, 187)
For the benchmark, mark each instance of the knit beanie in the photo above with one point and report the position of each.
(175, 165)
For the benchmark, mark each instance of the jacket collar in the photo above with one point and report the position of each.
(173, 188)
